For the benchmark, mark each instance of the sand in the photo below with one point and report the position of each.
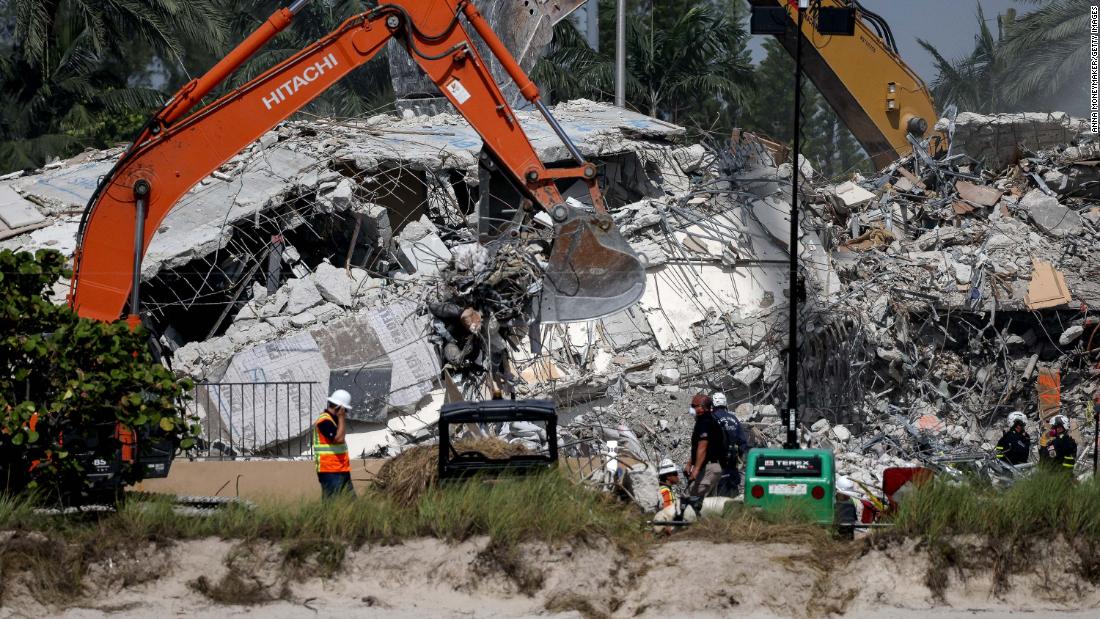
(679, 578)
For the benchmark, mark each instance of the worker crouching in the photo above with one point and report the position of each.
(330, 452)
(1060, 453)
(1015, 445)
(669, 479)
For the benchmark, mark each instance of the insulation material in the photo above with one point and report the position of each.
(296, 359)
(401, 331)
(1049, 386)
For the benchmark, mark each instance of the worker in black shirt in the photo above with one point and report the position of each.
(707, 446)
(1015, 445)
(1060, 454)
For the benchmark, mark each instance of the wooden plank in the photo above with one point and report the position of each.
(1048, 287)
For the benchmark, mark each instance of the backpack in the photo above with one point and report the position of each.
(733, 438)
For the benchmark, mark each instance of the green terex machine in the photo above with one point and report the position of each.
(779, 480)
(792, 478)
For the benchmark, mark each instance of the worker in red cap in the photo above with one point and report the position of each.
(707, 445)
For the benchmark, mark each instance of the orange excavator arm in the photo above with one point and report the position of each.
(592, 271)
(863, 78)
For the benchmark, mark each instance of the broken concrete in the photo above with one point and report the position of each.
(16, 211)
(1050, 216)
(921, 279)
(998, 139)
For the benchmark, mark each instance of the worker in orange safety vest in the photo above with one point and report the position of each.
(330, 452)
(668, 478)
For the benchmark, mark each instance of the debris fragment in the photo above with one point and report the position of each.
(1047, 287)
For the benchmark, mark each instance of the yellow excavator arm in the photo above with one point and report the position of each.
(876, 95)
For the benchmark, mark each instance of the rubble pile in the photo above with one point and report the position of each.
(941, 294)
(969, 286)
(948, 294)
(483, 308)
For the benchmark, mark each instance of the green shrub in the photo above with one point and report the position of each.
(62, 376)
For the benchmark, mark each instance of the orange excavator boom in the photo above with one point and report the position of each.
(592, 271)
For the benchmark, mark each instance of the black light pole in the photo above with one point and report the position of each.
(792, 332)
(1096, 431)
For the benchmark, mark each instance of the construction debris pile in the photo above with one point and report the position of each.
(483, 308)
(941, 294)
(966, 288)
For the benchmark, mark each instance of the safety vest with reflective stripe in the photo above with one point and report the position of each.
(667, 497)
(331, 457)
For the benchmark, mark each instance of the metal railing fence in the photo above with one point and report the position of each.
(256, 420)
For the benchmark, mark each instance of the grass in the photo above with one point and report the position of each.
(972, 527)
(545, 507)
(1041, 506)
(312, 537)
(965, 528)
(740, 524)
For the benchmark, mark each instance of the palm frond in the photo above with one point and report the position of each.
(124, 100)
(1045, 50)
(32, 29)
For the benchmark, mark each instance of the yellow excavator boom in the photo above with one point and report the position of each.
(876, 95)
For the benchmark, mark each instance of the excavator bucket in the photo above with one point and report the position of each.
(592, 271)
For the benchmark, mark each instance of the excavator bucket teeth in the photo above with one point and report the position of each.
(592, 271)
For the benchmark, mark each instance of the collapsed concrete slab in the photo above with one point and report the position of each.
(1050, 216)
(16, 211)
(358, 270)
(999, 139)
(379, 357)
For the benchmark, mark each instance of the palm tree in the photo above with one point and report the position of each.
(1036, 61)
(974, 83)
(1048, 53)
(165, 25)
(41, 100)
(64, 75)
(364, 91)
(688, 66)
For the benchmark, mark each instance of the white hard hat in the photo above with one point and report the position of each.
(718, 398)
(340, 398)
(846, 485)
(1060, 420)
(666, 467)
(1015, 416)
